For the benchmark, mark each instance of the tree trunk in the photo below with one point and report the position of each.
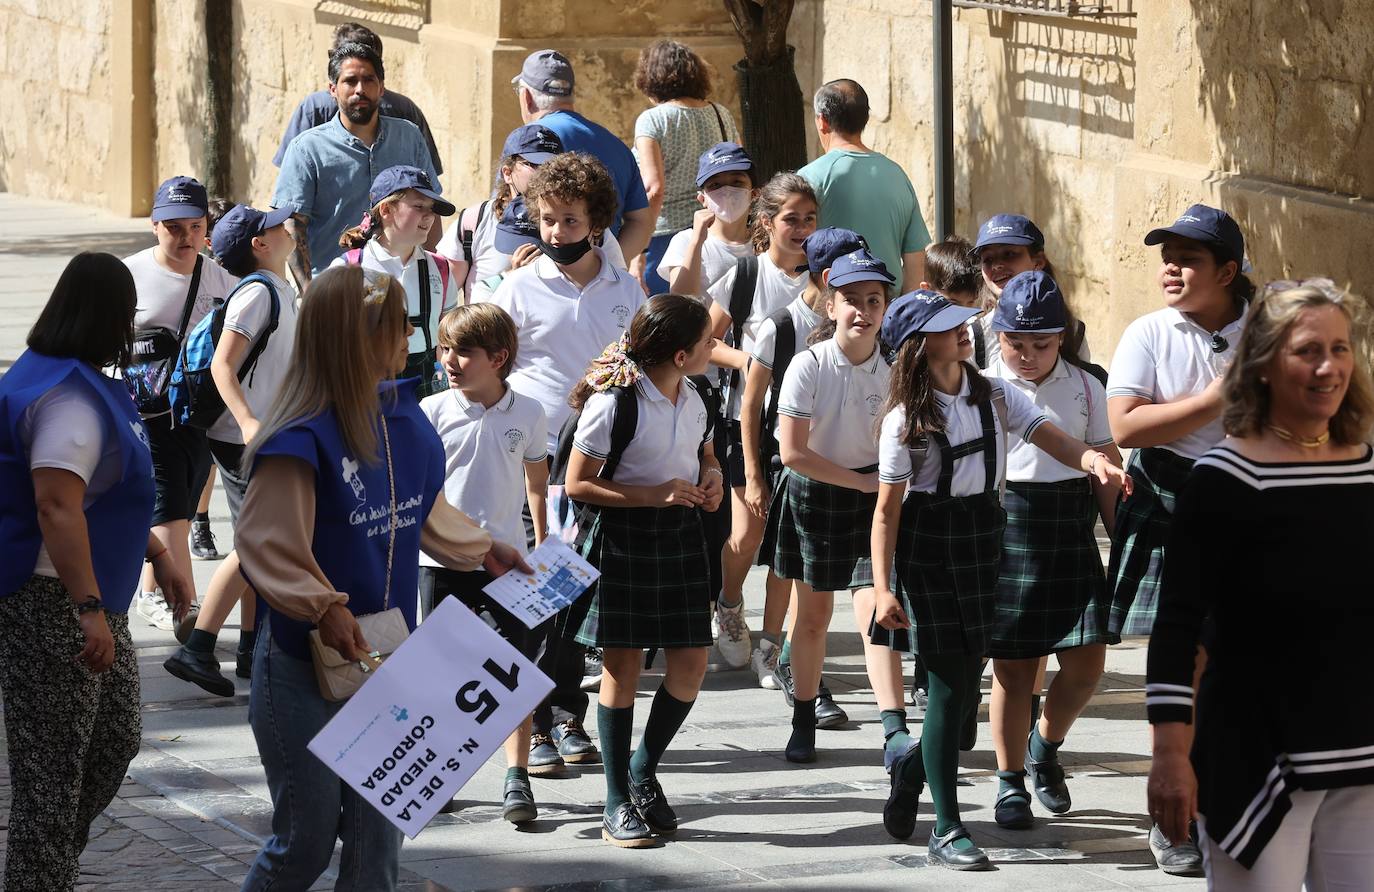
(771, 101)
(219, 29)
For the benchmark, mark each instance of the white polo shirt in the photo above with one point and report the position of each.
(248, 313)
(963, 422)
(804, 321)
(379, 259)
(162, 292)
(1074, 401)
(842, 401)
(717, 257)
(1165, 356)
(485, 451)
(666, 439)
(774, 290)
(563, 328)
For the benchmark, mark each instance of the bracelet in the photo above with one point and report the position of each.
(1092, 465)
(90, 605)
(714, 469)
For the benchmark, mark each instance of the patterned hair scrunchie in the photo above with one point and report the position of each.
(615, 367)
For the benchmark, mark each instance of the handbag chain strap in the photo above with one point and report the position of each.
(391, 535)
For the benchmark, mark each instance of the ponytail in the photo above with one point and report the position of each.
(370, 226)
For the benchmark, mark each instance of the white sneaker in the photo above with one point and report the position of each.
(732, 639)
(763, 661)
(153, 608)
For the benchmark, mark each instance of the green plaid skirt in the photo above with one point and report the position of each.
(945, 574)
(819, 533)
(1136, 568)
(655, 584)
(1051, 591)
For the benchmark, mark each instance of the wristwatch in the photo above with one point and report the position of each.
(89, 605)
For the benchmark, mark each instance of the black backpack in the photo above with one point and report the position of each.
(784, 349)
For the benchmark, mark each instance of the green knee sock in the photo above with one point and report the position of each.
(665, 718)
(786, 656)
(515, 772)
(614, 726)
(950, 682)
(1007, 780)
(1042, 750)
(896, 737)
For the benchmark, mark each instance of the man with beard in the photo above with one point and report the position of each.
(327, 169)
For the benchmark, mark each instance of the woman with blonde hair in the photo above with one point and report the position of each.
(1280, 776)
(346, 479)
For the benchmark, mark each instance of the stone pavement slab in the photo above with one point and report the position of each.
(196, 808)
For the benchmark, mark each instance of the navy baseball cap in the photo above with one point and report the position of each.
(1030, 302)
(233, 235)
(859, 266)
(180, 198)
(402, 177)
(722, 157)
(546, 71)
(1205, 224)
(535, 143)
(515, 228)
(824, 246)
(1009, 229)
(919, 312)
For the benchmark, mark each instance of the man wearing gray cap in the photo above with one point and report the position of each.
(545, 85)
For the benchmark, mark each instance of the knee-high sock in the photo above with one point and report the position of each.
(665, 718)
(614, 726)
(950, 677)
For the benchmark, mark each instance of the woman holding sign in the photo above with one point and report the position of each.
(330, 533)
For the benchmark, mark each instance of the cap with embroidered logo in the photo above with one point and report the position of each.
(919, 312)
(180, 198)
(824, 246)
(1031, 302)
(532, 142)
(1205, 224)
(859, 266)
(515, 228)
(233, 236)
(1009, 229)
(548, 72)
(722, 157)
(403, 177)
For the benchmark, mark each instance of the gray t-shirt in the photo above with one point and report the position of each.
(682, 135)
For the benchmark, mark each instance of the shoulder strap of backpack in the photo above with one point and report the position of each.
(465, 233)
(353, 256)
(999, 403)
(742, 295)
(623, 425)
(980, 347)
(250, 361)
(191, 294)
(441, 263)
(784, 348)
(710, 398)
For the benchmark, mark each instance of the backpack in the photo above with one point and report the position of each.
(354, 257)
(155, 353)
(999, 405)
(465, 234)
(784, 349)
(195, 399)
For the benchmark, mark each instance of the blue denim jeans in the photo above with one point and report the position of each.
(311, 806)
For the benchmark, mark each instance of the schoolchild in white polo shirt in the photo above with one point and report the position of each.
(391, 239)
(937, 536)
(567, 306)
(495, 449)
(643, 531)
(697, 258)
(822, 509)
(1051, 591)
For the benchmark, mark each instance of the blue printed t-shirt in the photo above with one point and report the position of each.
(581, 135)
(327, 171)
(320, 106)
(353, 506)
(870, 194)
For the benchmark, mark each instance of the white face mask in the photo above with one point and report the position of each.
(728, 203)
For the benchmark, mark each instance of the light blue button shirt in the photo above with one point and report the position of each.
(327, 171)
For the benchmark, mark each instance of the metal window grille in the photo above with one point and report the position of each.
(1056, 8)
(408, 14)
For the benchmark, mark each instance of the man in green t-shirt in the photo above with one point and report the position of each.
(861, 189)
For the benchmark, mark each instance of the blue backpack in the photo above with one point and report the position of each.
(196, 401)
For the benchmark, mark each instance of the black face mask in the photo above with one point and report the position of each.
(566, 254)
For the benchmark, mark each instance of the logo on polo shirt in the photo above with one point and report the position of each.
(874, 402)
(141, 433)
(350, 476)
(621, 313)
(513, 437)
(701, 419)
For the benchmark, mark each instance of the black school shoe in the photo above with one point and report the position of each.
(1013, 810)
(829, 714)
(518, 801)
(653, 806)
(903, 800)
(199, 669)
(573, 743)
(544, 757)
(941, 851)
(626, 829)
(1047, 779)
(1182, 860)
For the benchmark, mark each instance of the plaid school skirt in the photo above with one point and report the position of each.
(819, 533)
(1136, 568)
(654, 589)
(1051, 591)
(945, 574)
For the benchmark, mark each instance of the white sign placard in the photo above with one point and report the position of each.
(560, 577)
(433, 713)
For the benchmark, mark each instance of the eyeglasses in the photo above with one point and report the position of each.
(1324, 285)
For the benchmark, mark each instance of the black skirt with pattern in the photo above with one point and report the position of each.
(819, 533)
(1136, 568)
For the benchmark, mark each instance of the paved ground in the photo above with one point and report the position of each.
(195, 806)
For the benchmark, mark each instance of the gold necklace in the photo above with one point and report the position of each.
(1304, 442)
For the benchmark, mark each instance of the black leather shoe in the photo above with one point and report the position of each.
(903, 799)
(199, 669)
(626, 829)
(573, 743)
(1013, 810)
(243, 663)
(518, 806)
(544, 757)
(829, 714)
(782, 675)
(941, 851)
(653, 806)
(1047, 779)
(1181, 860)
